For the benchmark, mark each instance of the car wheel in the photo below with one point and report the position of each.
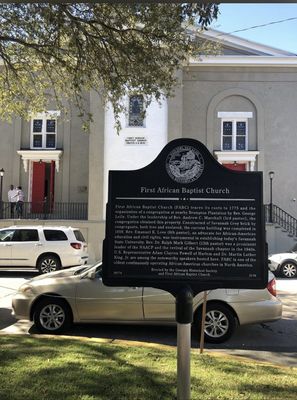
(48, 263)
(289, 269)
(220, 323)
(52, 315)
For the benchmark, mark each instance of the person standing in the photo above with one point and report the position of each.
(12, 199)
(20, 201)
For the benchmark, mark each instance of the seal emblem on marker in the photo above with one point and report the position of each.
(184, 164)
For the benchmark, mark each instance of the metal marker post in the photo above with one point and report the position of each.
(203, 322)
(184, 319)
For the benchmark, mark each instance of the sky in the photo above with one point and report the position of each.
(282, 35)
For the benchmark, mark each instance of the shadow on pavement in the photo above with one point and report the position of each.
(254, 337)
(262, 342)
(18, 273)
(6, 319)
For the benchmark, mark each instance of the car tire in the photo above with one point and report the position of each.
(288, 269)
(220, 323)
(48, 263)
(52, 315)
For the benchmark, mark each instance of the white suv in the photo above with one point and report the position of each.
(48, 248)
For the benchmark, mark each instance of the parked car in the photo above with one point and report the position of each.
(284, 264)
(47, 248)
(77, 295)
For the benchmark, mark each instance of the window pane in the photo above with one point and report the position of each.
(51, 141)
(240, 143)
(53, 235)
(227, 128)
(26, 235)
(227, 143)
(136, 111)
(5, 236)
(79, 236)
(240, 128)
(37, 140)
(51, 125)
(37, 125)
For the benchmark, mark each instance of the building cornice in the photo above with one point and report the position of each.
(226, 157)
(40, 155)
(249, 61)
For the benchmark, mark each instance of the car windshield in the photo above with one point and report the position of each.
(82, 269)
(5, 236)
(86, 268)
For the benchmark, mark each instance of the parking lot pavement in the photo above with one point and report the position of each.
(10, 280)
(286, 285)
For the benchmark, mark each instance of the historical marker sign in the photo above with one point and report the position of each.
(185, 220)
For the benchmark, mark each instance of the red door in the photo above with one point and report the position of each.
(52, 185)
(236, 167)
(38, 187)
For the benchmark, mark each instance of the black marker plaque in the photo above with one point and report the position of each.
(185, 220)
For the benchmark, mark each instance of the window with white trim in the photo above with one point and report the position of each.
(234, 134)
(234, 130)
(136, 111)
(44, 131)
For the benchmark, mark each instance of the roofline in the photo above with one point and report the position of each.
(240, 43)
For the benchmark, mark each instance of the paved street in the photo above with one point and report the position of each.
(275, 342)
(9, 282)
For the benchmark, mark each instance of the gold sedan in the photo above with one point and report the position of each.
(56, 300)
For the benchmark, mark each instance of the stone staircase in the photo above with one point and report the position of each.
(281, 229)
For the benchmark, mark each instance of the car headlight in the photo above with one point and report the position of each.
(26, 289)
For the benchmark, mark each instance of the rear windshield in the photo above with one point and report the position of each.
(79, 236)
(53, 235)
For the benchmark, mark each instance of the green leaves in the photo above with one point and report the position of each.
(56, 52)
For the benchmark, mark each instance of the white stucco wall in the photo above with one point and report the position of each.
(121, 151)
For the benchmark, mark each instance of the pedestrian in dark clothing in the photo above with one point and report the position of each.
(20, 201)
(12, 199)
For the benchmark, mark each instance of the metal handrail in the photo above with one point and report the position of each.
(277, 215)
(79, 211)
(44, 210)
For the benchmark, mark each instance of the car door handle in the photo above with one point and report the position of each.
(8, 244)
(38, 244)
